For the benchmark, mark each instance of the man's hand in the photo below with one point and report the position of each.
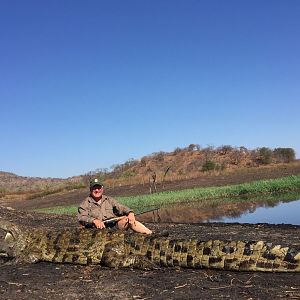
(99, 224)
(131, 218)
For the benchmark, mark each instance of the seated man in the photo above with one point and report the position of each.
(97, 208)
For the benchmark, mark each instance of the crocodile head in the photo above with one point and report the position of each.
(12, 240)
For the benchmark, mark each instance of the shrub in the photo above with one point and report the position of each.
(265, 155)
(177, 150)
(128, 173)
(130, 163)
(143, 161)
(208, 166)
(284, 154)
(192, 147)
(225, 149)
(2, 190)
(159, 156)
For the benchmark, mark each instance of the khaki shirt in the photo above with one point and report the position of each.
(106, 208)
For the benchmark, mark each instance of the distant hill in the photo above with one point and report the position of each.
(10, 182)
(192, 161)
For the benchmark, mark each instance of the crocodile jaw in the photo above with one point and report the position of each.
(12, 242)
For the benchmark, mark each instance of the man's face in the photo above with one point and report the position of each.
(97, 191)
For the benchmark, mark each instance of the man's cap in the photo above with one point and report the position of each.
(94, 182)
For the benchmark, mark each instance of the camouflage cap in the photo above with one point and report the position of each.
(94, 182)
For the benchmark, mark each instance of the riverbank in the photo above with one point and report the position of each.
(218, 194)
(240, 176)
(203, 196)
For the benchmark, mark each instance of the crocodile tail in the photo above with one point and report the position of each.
(225, 255)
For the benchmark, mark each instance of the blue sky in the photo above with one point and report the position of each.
(89, 84)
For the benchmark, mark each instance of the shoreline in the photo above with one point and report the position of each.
(203, 196)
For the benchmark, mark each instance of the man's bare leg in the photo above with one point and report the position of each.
(137, 226)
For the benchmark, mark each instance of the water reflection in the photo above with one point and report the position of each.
(274, 210)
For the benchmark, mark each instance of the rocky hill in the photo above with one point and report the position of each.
(10, 182)
(192, 161)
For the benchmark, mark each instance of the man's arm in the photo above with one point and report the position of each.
(85, 218)
(122, 209)
(83, 213)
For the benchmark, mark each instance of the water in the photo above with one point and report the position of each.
(283, 213)
(282, 209)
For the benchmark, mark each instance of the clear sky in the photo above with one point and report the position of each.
(88, 84)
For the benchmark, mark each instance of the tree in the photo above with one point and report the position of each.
(284, 154)
(265, 155)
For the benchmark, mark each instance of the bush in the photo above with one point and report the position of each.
(143, 161)
(265, 155)
(284, 154)
(225, 149)
(208, 166)
(177, 150)
(192, 147)
(128, 173)
(159, 156)
(3, 190)
(130, 163)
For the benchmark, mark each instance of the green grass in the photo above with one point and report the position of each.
(43, 193)
(204, 196)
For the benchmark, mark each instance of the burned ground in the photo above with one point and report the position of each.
(66, 281)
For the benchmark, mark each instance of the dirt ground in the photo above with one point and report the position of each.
(67, 281)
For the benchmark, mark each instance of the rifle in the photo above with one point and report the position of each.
(116, 219)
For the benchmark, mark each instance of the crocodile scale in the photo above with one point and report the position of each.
(118, 249)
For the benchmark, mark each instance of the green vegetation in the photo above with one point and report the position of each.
(129, 173)
(265, 155)
(61, 210)
(2, 190)
(263, 187)
(211, 195)
(55, 190)
(191, 160)
(208, 166)
(284, 154)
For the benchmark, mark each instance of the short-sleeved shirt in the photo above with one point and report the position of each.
(106, 208)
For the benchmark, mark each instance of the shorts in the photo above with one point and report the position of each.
(113, 224)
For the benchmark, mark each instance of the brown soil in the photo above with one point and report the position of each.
(63, 281)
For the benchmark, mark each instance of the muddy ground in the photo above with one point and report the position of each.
(66, 281)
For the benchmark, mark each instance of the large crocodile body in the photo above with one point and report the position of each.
(118, 249)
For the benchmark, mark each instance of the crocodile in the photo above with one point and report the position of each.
(118, 249)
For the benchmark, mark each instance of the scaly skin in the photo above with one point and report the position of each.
(117, 249)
